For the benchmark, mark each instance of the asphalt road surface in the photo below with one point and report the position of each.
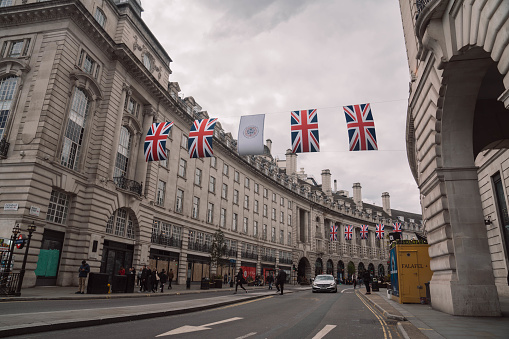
(294, 315)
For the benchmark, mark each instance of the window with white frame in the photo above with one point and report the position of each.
(274, 197)
(212, 184)
(236, 197)
(6, 3)
(132, 106)
(255, 228)
(177, 233)
(164, 163)
(255, 207)
(7, 91)
(256, 188)
(273, 214)
(197, 177)
(196, 208)
(282, 202)
(222, 221)
(235, 221)
(289, 240)
(120, 224)
(15, 48)
(273, 234)
(265, 193)
(75, 130)
(264, 232)
(184, 141)
(224, 191)
(237, 176)
(247, 182)
(289, 204)
(58, 207)
(179, 201)
(147, 61)
(123, 152)
(246, 201)
(88, 65)
(100, 17)
(265, 210)
(245, 226)
(225, 169)
(210, 213)
(182, 168)
(282, 217)
(289, 220)
(161, 189)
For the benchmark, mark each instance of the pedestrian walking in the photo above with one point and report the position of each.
(280, 280)
(82, 276)
(354, 281)
(170, 278)
(366, 279)
(162, 279)
(240, 281)
(225, 279)
(154, 280)
(143, 278)
(148, 281)
(138, 277)
(270, 280)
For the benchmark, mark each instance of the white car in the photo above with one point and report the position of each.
(324, 283)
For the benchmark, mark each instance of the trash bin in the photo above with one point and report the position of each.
(374, 286)
(97, 283)
(118, 284)
(129, 287)
(428, 293)
(205, 283)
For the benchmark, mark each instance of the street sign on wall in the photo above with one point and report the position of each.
(10, 207)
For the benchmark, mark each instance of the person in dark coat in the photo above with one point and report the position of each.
(280, 280)
(240, 280)
(367, 279)
(162, 279)
(170, 278)
(148, 281)
(154, 281)
(82, 276)
(270, 280)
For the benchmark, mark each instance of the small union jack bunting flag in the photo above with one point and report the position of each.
(155, 141)
(200, 138)
(348, 232)
(379, 231)
(364, 231)
(334, 233)
(304, 131)
(361, 127)
(397, 227)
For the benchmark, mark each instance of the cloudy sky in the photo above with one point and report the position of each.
(243, 57)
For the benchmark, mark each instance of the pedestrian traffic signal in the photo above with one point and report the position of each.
(294, 268)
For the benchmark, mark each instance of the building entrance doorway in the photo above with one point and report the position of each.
(116, 255)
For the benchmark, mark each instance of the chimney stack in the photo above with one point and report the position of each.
(357, 195)
(326, 186)
(291, 162)
(386, 203)
(335, 185)
(269, 145)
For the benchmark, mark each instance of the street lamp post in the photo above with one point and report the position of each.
(31, 229)
(15, 231)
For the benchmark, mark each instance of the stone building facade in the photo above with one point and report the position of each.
(80, 84)
(458, 55)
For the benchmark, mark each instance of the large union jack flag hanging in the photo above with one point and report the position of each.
(364, 231)
(155, 141)
(348, 232)
(334, 233)
(200, 138)
(304, 125)
(361, 127)
(397, 227)
(379, 231)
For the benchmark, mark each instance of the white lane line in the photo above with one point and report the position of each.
(324, 331)
(246, 335)
(347, 289)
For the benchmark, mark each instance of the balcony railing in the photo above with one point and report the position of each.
(164, 240)
(196, 246)
(420, 5)
(285, 261)
(268, 258)
(8, 283)
(231, 253)
(4, 147)
(248, 255)
(128, 184)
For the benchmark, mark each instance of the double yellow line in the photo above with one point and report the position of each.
(385, 327)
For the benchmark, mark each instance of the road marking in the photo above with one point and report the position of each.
(324, 331)
(246, 336)
(382, 322)
(243, 303)
(188, 329)
(346, 289)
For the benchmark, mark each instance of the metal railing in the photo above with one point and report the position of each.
(128, 184)
(162, 239)
(4, 147)
(8, 283)
(268, 258)
(248, 255)
(285, 261)
(196, 246)
(231, 253)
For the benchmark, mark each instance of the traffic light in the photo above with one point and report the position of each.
(294, 268)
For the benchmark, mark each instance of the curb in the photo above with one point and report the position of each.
(402, 331)
(386, 314)
(58, 325)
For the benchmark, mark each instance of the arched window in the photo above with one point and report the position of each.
(124, 149)
(74, 133)
(100, 17)
(120, 224)
(7, 91)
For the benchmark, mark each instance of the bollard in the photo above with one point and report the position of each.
(109, 288)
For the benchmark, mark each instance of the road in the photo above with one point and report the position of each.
(293, 315)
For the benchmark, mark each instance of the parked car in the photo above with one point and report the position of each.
(324, 283)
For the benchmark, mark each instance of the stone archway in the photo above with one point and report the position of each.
(303, 271)
(350, 269)
(341, 271)
(381, 270)
(361, 269)
(330, 267)
(371, 269)
(318, 266)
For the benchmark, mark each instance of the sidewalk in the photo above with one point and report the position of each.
(26, 323)
(422, 321)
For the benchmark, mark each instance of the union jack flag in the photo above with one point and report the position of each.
(397, 227)
(334, 233)
(348, 232)
(361, 127)
(200, 138)
(364, 231)
(155, 141)
(304, 131)
(379, 232)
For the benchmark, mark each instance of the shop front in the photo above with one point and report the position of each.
(49, 258)
(160, 259)
(116, 255)
(198, 267)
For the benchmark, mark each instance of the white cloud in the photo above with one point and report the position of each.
(241, 57)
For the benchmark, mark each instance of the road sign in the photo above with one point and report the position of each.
(20, 242)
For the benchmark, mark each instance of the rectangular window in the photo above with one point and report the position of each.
(15, 48)
(210, 213)
(237, 176)
(5, 3)
(132, 106)
(282, 202)
(222, 222)
(235, 221)
(75, 130)
(235, 197)
(255, 206)
(289, 205)
(88, 65)
(273, 234)
(265, 193)
(274, 197)
(58, 207)
(265, 210)
(164, 163)
(282, 217)
(256, 188)
(179, 201)
(213, 162)
(197, 177)
(255, 228)
(282, 237)
(246, 201)
(224, 191)
(245, 226)
(246, 183)
(212, 185)
(183, 141)
(225, 169)
(196, 208)
(289, 240)
(264, 232)
(182, 168)
(273, 214)
(161, 188)
(289, 220)
(100, 17)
